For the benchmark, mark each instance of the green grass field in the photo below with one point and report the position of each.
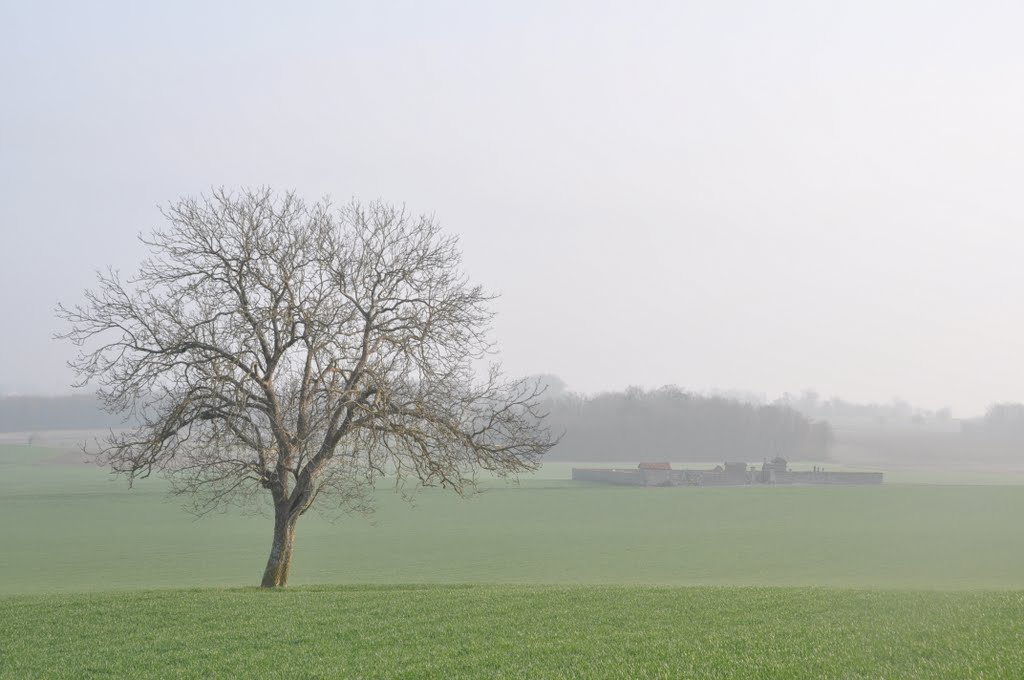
(514, 632)
(71, 529)
(570, 580)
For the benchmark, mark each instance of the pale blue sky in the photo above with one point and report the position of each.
(758, 195)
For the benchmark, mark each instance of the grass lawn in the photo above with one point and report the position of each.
(544, 579)
(514, 632)
(69, 528)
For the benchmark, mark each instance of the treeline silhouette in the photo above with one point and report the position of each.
(672, 424)
(812, 405)
(635, 424)
(1002, 422)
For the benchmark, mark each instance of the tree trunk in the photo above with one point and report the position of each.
(280, 561)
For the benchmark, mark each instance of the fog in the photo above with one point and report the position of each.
(571, 338)
(750, 196)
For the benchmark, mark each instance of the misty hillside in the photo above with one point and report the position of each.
(68, 412)
(672, 424)
(667, 424)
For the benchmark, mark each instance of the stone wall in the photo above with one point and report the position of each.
(608, 476)
(791, 477)
(727, 477)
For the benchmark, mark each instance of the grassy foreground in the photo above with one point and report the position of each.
(514, 632)
(939, 572)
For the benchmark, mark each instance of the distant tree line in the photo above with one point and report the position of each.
(1001, 422)
(634, 424)
(71, 412)
(672, 424)
(812, 405)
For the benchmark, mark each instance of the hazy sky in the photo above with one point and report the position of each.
(758, 195)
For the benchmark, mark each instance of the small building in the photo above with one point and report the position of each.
(654, 466)
(656, 474)
(730, 473)
(772, 470)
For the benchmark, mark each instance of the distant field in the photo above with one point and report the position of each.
(988, 475)
(571, 581)
(514, 632)
(67, 527)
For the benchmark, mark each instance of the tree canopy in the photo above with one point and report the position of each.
(272, 347)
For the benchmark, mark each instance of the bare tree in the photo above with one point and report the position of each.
(269, 345)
